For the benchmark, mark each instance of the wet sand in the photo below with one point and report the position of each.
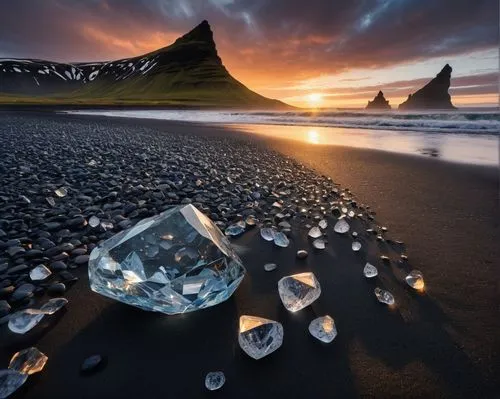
(443, 343)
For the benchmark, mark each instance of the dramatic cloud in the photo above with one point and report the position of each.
(262, 42)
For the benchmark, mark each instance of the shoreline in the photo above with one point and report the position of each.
(444, 343)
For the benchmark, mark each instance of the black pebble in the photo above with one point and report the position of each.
(56, 289)
(92, 364)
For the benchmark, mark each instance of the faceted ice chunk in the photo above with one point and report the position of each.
(51, 201)
(384, 296)
(415, 279)
(214, 380)
(53, 305)
(356, 246)
(258, 337)
(23, 321)
(298, 291)
(61, 192)
(40, 273)
(94, 221)
(235, 229)
(281, 240)
(267, 233)
(323, 328)
(319, 243)
(28, 361)
(10, 381)
(315, 232)
(341, 226)
(370, 271)
(323, 224)
(195, 267)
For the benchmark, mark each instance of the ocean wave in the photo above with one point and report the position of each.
(485, 123)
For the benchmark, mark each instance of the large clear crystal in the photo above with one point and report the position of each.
(10, 381)
(415, 279)
(323, 329)
(259, 337)
(28, 361)
(298, 291)
(192, 266)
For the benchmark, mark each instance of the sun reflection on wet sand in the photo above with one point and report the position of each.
(475, 149)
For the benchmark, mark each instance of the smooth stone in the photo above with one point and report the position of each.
(56, 289)
(18, 269)
(6, 291)
(4, 308)
(81, 259)
(22, 292)
(92, 364)
(302, 254)
(58, 266)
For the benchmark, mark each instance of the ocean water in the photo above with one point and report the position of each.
(469, 136)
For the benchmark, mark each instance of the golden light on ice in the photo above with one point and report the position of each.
(313, 136)
(314, 99)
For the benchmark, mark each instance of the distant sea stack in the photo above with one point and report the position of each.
(434, 95)
(379, 103)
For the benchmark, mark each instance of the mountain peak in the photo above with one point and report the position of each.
(200, 33)
(378, 103)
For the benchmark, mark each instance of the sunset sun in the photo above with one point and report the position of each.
(314, 99)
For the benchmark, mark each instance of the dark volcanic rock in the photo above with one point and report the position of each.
(434, 95)
(378, 103)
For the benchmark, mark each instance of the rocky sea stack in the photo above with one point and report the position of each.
(378, 103)
(434, 95)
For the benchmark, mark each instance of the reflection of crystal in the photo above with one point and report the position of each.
(298, 291)
(323, 328)
(40, 273)
(176, 262)
(258, 337)
(28, 361)
(415, 280)
(384, 296)
(10, 381)
(214, 380)
(341, 226)
(370, 271)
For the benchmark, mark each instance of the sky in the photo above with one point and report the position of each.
(319, 53)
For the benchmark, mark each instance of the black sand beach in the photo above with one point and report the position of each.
(442, 343)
